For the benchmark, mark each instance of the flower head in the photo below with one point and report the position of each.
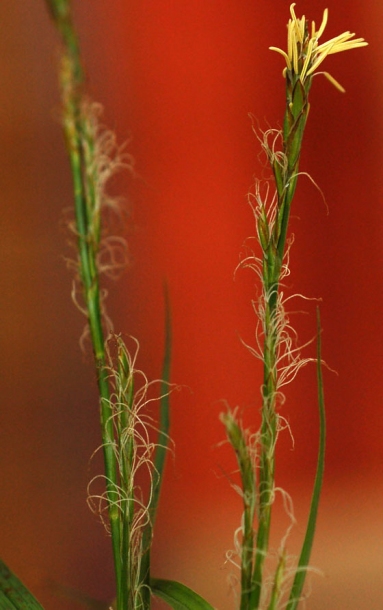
(305, 54)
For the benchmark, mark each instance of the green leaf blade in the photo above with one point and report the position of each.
(297, 587)
(13, 594)
(178, 596)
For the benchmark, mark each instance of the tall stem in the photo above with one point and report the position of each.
(286, 177)
(88, 236)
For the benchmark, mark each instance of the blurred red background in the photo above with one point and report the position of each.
(178, 80)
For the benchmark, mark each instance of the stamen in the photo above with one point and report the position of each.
(295, 53)
(346, 46)
(336, 40)
(303, 27)
(307, 60)
(290, 27)
(323, 24)
(288, 62)
(292, 13)
(318, 61)
(333, 81)
(298, 30)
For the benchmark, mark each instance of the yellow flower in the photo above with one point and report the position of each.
(305, 54)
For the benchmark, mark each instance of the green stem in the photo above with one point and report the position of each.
(267, 451)
(75, 132)
(274, 252)
(238, 441)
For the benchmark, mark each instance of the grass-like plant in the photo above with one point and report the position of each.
(126, 429)
(275, 341)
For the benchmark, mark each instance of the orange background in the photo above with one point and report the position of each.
(178, 80)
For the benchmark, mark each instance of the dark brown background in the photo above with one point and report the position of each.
(178, 80)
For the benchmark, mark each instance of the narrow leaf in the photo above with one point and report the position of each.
(178, 596)
(164, 424)
(296, 589)
(59, 8)
(160, 455)
(13, 594)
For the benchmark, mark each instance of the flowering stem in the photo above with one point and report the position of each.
(286, 175)
(88, 233)
(239, 442)
(304, 55)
